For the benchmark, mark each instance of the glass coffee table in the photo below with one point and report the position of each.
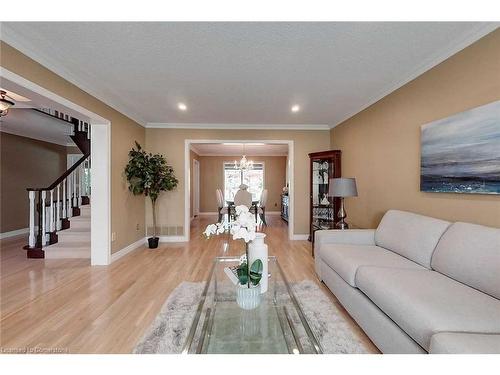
(277, 326)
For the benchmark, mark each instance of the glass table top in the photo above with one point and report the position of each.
(277, 326)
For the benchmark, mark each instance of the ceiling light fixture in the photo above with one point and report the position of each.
(295, 108)
(182, 106)
(5, 104)
(244, 165)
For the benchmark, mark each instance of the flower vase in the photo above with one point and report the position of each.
(248, 298)
(257, 249)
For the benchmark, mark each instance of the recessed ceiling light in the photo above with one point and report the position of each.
(182, 106)
(295, 108)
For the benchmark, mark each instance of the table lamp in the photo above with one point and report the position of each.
(342, 187)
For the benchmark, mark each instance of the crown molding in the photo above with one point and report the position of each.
(455, 47)
(164, 125)
(239, 155)
(20, 43)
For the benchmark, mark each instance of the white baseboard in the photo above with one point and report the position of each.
(172, 239)
(143, 242)
(133, 246)
(300, 237)
(14, 233)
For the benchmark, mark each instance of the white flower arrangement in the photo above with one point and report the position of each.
(242, 228)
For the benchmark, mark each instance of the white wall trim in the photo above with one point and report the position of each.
(14, 233)
(164, 125)
(187, 189)
(128, 249)
(173, 239)
(273, 212)
(100, 216)
(455, 47)
(143, 242)
(300, 237)
(100, 249)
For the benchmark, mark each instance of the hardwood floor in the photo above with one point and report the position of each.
(69, 306)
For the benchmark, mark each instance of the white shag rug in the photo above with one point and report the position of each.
(169, 330)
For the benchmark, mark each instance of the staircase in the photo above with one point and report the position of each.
(73, 242)
(62, 210)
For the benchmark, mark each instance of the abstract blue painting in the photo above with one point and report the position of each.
(461, 153)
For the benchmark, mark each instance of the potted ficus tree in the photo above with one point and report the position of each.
(149, 174)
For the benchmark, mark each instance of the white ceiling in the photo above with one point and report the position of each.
(241, 73)
(29, 123)
(237, 149)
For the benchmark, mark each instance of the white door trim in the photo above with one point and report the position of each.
(187, 182)
(100, 144)
(196, 187)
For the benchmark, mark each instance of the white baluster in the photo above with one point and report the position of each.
(58, 209)
(64, 205)
(70, 199)
(88, 131)
(75, 198)
(43, 213)
(80, 183)
(51, 212)
(87, 177)
(31, 241)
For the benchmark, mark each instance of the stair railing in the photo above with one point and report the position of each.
(61, 200)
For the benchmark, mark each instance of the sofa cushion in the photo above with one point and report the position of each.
(424, 302)
(346, 259)
(464, 343)
(410, 235)
(470, 254)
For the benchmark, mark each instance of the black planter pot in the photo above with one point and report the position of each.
(153, 242)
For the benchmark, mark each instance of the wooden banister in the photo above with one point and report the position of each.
(62, 177)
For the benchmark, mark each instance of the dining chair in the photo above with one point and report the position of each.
(243, 197)
(220, 204)
(261, 209)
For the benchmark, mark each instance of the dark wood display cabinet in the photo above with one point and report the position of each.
(324, 166)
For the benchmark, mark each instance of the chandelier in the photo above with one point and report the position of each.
(5, 104)
(244, 164)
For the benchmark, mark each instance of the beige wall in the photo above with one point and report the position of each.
(170, 142)
(25, 162)
(126, 210)
(212, 177)
(381, 145)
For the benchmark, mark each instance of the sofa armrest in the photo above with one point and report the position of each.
(465, 343)
(347, 237)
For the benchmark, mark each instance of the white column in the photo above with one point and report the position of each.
(43, 213)
(70, 198)
(31, 242)
(51, 213)
(64, 204)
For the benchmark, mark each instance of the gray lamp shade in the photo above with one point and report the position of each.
(343, 187)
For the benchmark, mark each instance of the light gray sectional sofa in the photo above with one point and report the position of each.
(417, 284)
